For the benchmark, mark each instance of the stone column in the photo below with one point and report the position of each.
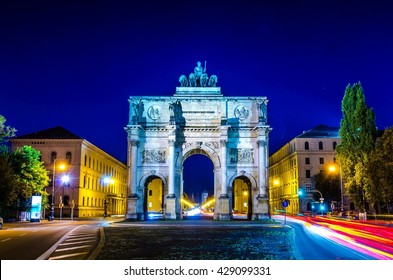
(132, 199)
(171, 167)
(262, 211)
(262, 167)
(170, 199)
(224, 185)
(225, 211)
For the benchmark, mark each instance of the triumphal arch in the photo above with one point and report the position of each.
(233, 132)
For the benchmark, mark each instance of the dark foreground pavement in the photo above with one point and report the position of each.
(197, 240)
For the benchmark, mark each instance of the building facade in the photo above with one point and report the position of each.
(85, 181)
(294, 166)
(163, 132)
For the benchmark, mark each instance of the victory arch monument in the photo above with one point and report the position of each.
(233, 132)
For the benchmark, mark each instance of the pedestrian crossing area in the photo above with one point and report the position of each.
(78, 245)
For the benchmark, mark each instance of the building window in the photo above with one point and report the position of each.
(53, 156)
(68, 157)
(307, 160)
(308, 174)
(306, 145)
(321, 160)
(334, 145)
(85, 160)
(320, 145)
(150, 192)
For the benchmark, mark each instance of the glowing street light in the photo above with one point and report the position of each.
(62, 166)
(107, 181)
(65, 179)
(333, 168)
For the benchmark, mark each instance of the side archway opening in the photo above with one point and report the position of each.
(154, 198)
(241, 198)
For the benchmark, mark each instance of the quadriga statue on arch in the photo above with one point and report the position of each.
(199, 78)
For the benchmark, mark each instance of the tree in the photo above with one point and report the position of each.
(5, 131)
(31, 174)
(380, 172)
(358, 133)
(7, 178)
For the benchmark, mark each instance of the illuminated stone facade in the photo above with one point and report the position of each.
(295, 164)
(163, 132)
(87, 193)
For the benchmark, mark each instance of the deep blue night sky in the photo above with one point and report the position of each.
(75, 63)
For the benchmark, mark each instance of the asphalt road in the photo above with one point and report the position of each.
(78, 239)
(312, 245)
(30, 241)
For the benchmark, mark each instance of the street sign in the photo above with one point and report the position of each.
(285, 203)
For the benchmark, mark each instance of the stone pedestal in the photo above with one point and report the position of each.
(262, 212)
(132, 212)
(170, 211)
(225, 213)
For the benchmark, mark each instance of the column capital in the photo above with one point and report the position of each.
(262, 143)
(134, 143)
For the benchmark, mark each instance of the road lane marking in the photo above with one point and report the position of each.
(68, 256)
(5, 239)
(81, 238)
(73, 248)
(53, 248)
(22, 234)
(77, 242)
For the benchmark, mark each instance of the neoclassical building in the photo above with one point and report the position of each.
(96, 181)
(296, 163)
(162, 132)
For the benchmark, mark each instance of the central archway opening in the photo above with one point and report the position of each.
(198, 186)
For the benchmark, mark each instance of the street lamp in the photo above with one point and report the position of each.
(65, 180)
(107, 181)
(332, 168)
(61, 167)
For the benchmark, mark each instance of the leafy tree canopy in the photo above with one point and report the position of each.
(32, 175)
(5, 131)
(358, 133)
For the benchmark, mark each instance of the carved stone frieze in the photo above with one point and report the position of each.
(241, 112)
(241, 155)
(153, 156)
(154, 112)
(213, 145)
(223, 143)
